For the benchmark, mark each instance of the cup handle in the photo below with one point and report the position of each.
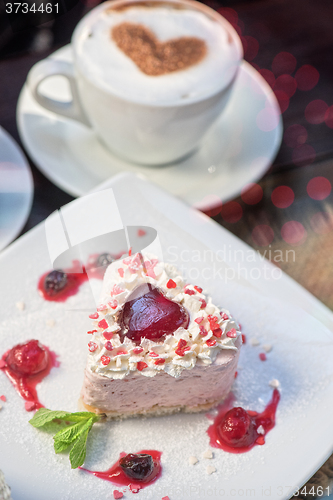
(52, 67)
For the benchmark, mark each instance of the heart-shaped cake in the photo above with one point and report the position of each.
(153, 57)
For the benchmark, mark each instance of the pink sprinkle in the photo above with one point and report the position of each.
(224, 316)
(217, 332)
(105, 360)
(149, 266)
(121, 352)
(3, 398)
(159, 361)
(211, 342)
(262, 356)
(107, 335)
(137, 350)
(141, 365)
(127, 261)
(108, 345)
(117, 494)
(93, 316)
(171, 284)
(153, 354)
(121, 272)
(141, 232)
(203, 303)
(236, 373)
(203, 330)
(102, 324)
(165, 498)
(92, 346)
(243, 338)
(30, 405)
(199, 320)
(113, 303)
(198, 288)
(91, 332)
(2, 363)
(102, 307)
(189, 292)
(232, 334)
(116, 290)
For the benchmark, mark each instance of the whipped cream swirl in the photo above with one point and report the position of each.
(112, 355)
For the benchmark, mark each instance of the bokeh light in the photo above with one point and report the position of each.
(303, 155)
(329, 117)
(262, 235)
(315, 111)
(283, 63)
(295, 135)
(250, 46)
(267, 119)
(230, 14)
(307, 77)
(231, 212)
(282, 196)
(322, 222)
(319, 188)
(283, 99)
(268, 75)
(287, 84)
(293, 232)
(252, 193)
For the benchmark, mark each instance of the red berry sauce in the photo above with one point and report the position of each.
(116, 474)
(26, 365)
(57, 286)
(148, 313)
(236, 430)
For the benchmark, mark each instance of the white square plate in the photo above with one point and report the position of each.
(270, 307)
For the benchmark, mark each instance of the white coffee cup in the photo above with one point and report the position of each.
(148, 131)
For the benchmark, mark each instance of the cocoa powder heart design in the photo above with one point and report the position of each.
(153, 57)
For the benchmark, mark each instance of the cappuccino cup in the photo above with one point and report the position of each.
(149, 77)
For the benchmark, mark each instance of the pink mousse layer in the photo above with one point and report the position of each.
(136, 393)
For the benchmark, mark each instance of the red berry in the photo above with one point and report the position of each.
(236, 428)
(138, 466)
(28, 358)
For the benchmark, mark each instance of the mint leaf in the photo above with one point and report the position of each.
(77, 454)
(70, 433)
(73, 434)
(44, 416)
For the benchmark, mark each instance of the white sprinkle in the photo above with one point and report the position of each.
(20, 306)
(267, 347)
(208, 454)
(254, 342)
(274, 383)
(193, 460)
(210, 469)
(260, 430)
(50, 323)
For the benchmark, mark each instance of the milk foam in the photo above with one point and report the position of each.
(99, 58)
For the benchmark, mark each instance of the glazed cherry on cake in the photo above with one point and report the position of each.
(148, 313)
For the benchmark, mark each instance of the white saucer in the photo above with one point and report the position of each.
(234, 154)
(16, 189)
